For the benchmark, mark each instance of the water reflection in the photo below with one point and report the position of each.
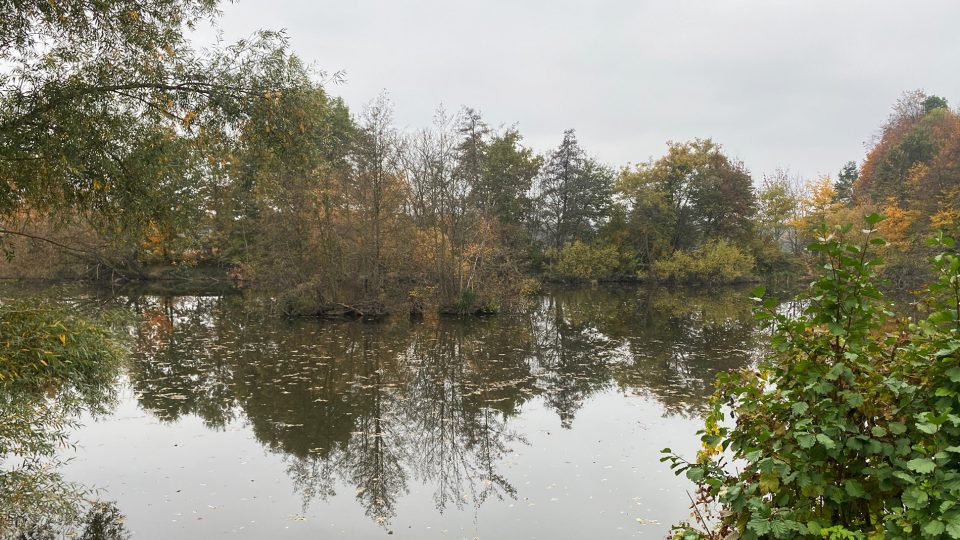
(37, 411)
(381, 407)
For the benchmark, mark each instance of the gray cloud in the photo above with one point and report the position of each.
(798, 84)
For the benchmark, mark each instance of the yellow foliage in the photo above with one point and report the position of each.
(895, 229)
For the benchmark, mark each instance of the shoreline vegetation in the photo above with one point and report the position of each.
(335, 213)
(240, 160)
(847, 428)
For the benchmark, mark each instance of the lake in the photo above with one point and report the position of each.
(229, 423)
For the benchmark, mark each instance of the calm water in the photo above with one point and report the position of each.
(546, 425)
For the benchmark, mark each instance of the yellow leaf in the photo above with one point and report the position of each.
(63, 339)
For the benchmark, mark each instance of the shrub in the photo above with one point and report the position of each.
(587, 261)
(850, 427)
(717, 261)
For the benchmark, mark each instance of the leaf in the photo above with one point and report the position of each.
(934, 528)
(805, 440)
(953, 527)
(695, 474)
(953, 373)
(897, 428)
(921, 465)
(769, 482)
(854, 488)
(854, 399)
(914, 498)
(874, 218)
(878, 431)
(799, 408)
(827, 442)
(759, 526)
(904, 476)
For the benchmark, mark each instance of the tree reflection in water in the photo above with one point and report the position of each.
(378, 406)
(38, 408)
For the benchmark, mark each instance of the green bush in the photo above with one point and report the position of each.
(717, 261)
(587, 261)
(850, 428)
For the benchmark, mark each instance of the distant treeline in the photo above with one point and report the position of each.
(127, 154)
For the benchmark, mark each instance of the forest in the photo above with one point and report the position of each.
(139, 158)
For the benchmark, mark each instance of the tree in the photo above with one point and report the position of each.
(107, 116)
(914, 161)
(573, 193)
(375, 191)
(934, 102)
(777, 206)
(708, 194)
(508, 173)
(846, 179)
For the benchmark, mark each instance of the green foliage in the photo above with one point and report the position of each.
(575, 193)
(846, 179)
(717, 261)
(849, 428)
(701, 193)
(42, 344)
(53, 366)
(934, 102)
(587, 261)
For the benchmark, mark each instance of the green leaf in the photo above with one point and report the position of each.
(921, 465)
(953, 527)
(914, 498)
(897, 428)
(854, 399)
(874, 218)
(878, 431)
(934, 528)
(799, 408)
(953, 373)
(805, 440)
(905, 477)
(759, 526)
(827, 442)
(854, 488)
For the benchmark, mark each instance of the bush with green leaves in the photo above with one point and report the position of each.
(850, 428)
(717, 261)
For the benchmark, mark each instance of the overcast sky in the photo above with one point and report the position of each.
(796, 84)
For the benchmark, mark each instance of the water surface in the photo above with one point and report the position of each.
(543, 425)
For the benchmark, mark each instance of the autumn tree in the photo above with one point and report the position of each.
(778, 203)
(706, 194)
(915, 159)
(375, 192)
(110, 119)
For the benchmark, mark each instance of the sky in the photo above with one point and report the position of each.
(802, 85)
